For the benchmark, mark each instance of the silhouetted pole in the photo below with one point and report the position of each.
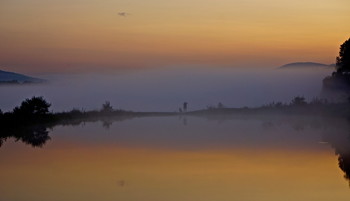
(185, 106)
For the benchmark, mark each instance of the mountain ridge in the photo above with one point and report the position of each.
(7, 77)
(300, 65)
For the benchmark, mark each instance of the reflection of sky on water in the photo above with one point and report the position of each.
(247, 158)
(197, 132)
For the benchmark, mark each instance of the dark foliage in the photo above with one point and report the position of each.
(31, 121)
(28, 122)
(32, 111)
(299, 101)
(106, 107)
(344, 164)
(35, 106)
(343, 60)
(337, 86)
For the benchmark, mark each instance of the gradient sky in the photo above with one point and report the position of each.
(74, 35)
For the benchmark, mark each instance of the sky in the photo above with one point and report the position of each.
(92, 35)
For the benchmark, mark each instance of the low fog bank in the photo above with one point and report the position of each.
(166, 89)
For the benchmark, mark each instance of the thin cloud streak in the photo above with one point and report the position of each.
(123, 14)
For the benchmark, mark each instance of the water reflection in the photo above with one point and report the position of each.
(344, 162)
(36, 136)
(341, 144)
(335, 132)
(107, 123)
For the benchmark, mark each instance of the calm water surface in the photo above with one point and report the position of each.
(182, 158)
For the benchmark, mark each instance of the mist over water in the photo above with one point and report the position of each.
(174, 100)
(165, 89)
(205, 157)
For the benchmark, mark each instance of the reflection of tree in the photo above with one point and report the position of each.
(27, 123)
(35, 133)
(334, 130)
(338, 137)
(36, 136)
(106, 123)
(30, 123)
(184, 121)
(342, 150)
(344, 164)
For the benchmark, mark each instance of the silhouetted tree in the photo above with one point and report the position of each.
(36, 106)
(343, 60)
(298, 101)
(106, 107)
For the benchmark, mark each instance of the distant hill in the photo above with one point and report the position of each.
(15, 78)
(302, 65)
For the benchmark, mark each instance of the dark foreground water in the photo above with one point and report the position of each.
(244, 158)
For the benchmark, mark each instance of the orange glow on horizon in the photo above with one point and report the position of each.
(37, 35)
